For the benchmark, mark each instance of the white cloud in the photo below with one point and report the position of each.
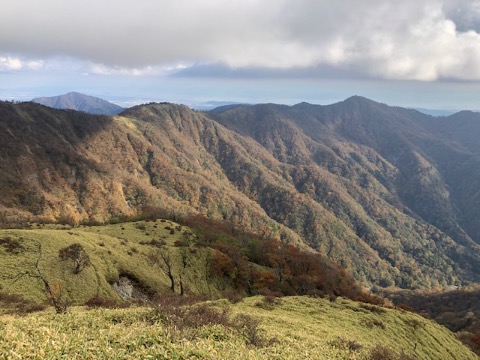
(409, 39)
(102, 69)
(10, 63)
(35, 64)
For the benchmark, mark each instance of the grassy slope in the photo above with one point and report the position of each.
(113, 250)
(305, 328)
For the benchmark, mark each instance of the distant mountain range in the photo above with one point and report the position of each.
(80, 102)
(389, 193)
(95, 105)
(210, 105)
(434, 112)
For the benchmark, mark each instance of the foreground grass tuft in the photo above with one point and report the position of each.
(302, 328)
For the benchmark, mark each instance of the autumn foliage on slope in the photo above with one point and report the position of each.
(256, 264)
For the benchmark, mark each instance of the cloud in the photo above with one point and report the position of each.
(427, 40)
(221, 70)
(35, 64)
(102, 69)
(10, 63)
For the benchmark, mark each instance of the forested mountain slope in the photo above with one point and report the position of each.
(380, 190)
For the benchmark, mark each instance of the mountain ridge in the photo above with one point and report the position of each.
(80, 102)
(341, 179)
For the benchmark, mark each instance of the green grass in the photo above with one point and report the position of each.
(310, 324)
(302, 328)
(113, 250)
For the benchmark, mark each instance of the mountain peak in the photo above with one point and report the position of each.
(465, 114)
(360, 100)
(80, 102)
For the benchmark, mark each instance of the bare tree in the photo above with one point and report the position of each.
(162, 258)
(54, 292)
(186, 263)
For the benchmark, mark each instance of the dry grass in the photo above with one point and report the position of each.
(304, 328)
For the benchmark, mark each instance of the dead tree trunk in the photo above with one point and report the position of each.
(53, 293)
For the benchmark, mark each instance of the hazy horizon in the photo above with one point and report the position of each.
(281, 51)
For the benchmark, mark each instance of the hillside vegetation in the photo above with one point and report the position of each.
(458, 310)
(269, 200)
(292, 328)
(382, 191)
(157, 257)
(115, 251)
(154, 262)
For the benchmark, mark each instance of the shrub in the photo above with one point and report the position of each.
(380, 352)
(68, 220)
(370, 323)
(102, 302)
(180, 243)
(141, 227)
(16, 304)
(370, 298)
(157, 243)
(472, 340)
(11, 245)
(91, 222)
(373, 308)
(247, 326)
(77, 254)
(134, 250)
(413, 323)
(174, 300)
(233, 296)
(181, 314)
(346, 344)
(268, 302)
(406, 308)
(201, 315)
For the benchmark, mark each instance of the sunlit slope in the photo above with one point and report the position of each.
(114, 251)
(297, 328)
(372, 187)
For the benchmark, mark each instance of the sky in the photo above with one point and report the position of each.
(412, 53)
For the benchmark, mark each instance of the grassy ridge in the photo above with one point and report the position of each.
(114, 250)
(207, 258)
(302, 328)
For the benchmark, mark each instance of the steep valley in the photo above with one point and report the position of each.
(389, 194)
